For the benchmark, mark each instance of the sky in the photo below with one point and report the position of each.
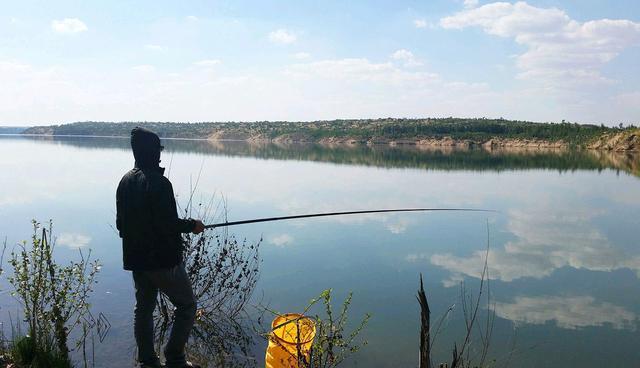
(188, 61)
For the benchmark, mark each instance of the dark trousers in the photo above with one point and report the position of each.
(175, 284)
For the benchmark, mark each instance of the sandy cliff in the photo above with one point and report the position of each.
(623, 141)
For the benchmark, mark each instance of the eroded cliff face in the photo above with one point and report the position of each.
(418, 141)
(628, 140)
(231, 135)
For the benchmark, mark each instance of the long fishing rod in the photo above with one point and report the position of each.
(326, 214)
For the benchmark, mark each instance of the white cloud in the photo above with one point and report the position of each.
(12, 66)
(191, 18)
(406, 57)
(25, 87)
(282, 36)
(470, 3)
(420, 23)
(207, 62)
(68, 25)
(155, 48)
(281, 240)
(570, 312)
(144, 68)
(402, 54)
(560, 50)
(301, 55)
(73, 240)
(306, 90)
(340, 68)
(360, 70)
(13, 199)
(629, 101)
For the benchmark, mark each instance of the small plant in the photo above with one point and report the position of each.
(333, 344)
(55, 300)
(474, 349)
(26, 353)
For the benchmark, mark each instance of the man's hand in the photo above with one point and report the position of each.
(198, 228)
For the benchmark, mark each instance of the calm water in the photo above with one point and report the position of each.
(564, 261)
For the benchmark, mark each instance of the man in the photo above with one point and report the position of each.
(150, 228)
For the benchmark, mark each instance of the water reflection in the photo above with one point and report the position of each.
(569, 312)
(422, 157)
(73, 240)
(561, 248)
(546, 239)
(281, 240)
(218, 340)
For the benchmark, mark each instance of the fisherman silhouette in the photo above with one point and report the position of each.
(148, 223)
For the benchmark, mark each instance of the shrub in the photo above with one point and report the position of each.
(55, 300)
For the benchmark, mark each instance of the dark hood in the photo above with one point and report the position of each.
(146, 148)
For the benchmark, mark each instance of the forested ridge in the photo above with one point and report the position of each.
(475, 130)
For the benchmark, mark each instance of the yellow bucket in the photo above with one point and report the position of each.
(290, 333)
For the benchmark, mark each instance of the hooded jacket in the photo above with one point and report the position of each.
(147, 217)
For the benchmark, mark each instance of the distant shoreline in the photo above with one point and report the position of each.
(446, 143)
(446, 133)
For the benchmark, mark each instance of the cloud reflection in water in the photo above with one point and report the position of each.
(73, 240)
(571, 312)
(547, 239)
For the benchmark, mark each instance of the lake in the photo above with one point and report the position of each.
(564, 261)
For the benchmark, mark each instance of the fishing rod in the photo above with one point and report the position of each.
(326, 214)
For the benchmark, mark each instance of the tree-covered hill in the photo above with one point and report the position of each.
(362, 130)
(11, 130)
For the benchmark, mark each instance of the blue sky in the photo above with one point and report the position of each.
(544, 60)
